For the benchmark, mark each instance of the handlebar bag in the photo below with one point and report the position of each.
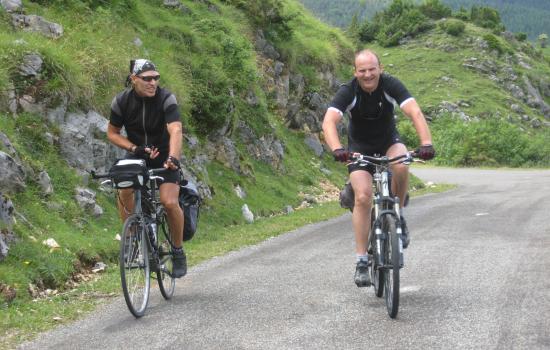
(129, 173)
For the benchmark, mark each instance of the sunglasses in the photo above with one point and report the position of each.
(149, 78)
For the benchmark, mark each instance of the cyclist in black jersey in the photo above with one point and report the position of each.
(369, 99)
(151, 119)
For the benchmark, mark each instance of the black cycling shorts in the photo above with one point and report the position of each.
(170, 176)
(372, 150)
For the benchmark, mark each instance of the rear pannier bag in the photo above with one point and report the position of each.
(129, 173)
(190, 202)
(347, 197)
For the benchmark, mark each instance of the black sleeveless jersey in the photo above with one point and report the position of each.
(372, 121)
(145, 118)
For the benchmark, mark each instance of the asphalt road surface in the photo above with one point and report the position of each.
(477, 276)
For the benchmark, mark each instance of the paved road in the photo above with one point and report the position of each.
(477, 276)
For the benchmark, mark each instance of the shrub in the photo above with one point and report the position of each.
(486, 17)
(521, 36)
(488, 142)
(435, 9)
(368, 31)
(494, 43)
(400, 20)
(453, 27)
(210, 97)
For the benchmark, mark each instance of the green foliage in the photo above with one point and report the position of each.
(521, 36)
(400, 20)
(367, 31)
(486, 17)
(435, 9)
(453, 27)
(270, 15)
(487, 143)
(210, 98)
(494, 43)
(543, 39)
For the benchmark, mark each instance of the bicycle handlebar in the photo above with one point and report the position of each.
(152, 172)
(406, 158)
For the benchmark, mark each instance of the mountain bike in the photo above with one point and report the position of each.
(385, 243)
(146, 241)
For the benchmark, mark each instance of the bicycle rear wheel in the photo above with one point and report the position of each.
(391, 261)
(134, 265)
(166, 281)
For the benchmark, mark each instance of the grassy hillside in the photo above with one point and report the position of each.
(531, 17)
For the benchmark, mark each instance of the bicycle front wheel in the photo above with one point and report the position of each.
(134, 265)
(391, 261)
(166, 281)
(376, 273)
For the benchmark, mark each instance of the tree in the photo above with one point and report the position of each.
(543, 38)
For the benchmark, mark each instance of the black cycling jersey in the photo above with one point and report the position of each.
(145, 118)
(372, 122)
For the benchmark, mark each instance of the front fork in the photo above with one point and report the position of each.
(380, 236)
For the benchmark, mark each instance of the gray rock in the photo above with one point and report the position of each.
(30, 105)
(517, 108)
(297, 86)
(12, 175)
(516, 91)
(240, 192)
(7, 146)
(251, 98)
(31, 66)
(315, 102)
(6, 238)
(288, 209)
(45, 182)
(282, 89)
(172, 3)
(222, 149)
(536, 123)
(11, 5)
(82, 142)
(56, 115)
(137, 42)
(310, 199)
(264, 47)
(6, 211)
(11, 98)
(247, 214)
(313, 142)
(535, 95)
(192, 141)
(278, 68)
(86, 200)
(37, 24)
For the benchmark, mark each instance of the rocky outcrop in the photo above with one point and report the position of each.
(38, 24)
(12, 175)
(86, 199)
(11, 5)
(83, 144)
(6, 222)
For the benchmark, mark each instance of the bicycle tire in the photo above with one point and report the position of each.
(377, 274)
(391, 261)
(134, 265)
(165, 279)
